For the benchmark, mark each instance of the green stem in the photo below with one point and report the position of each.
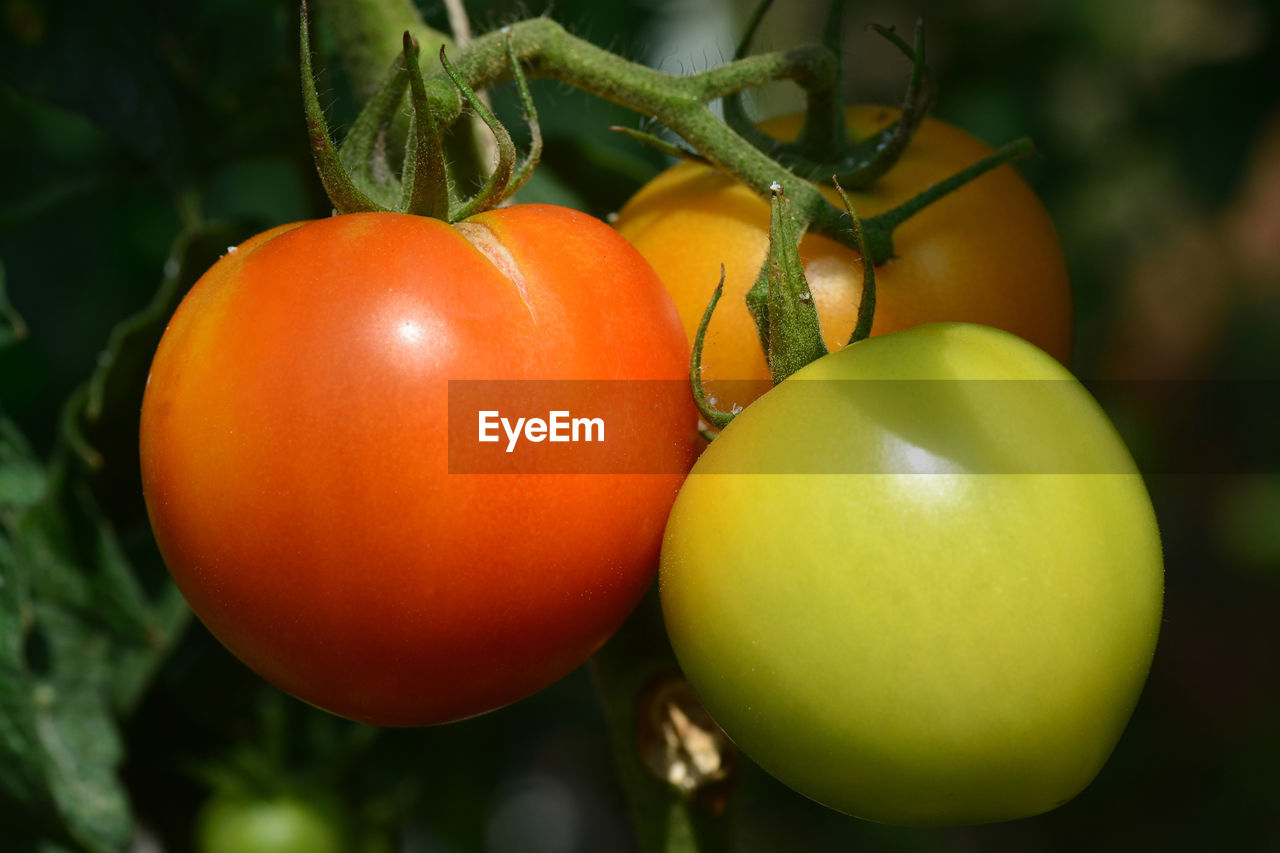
(427, 189)
(342, 191)
(735, 113)
(364, 150)
(864, 162)
(894, 217)
(867, 304)
(893, 141)
(544, 49)
(824, 127)
(492, 191)
(795, 338)
(525, 170)
(12, 328)
(368, 33)
(715, 417)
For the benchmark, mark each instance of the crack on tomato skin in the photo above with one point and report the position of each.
(483, 238)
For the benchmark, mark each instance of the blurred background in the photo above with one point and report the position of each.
(139, 139)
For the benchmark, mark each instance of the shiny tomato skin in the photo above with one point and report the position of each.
(294, 456)
(987, 253)
(920, 581)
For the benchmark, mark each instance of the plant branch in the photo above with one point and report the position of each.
(543, 48)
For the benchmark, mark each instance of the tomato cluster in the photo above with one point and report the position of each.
(919, 581)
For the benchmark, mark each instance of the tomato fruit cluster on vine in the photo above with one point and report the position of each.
(918, 581)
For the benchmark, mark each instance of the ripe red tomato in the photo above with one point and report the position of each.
(986, 253)
(296, 470)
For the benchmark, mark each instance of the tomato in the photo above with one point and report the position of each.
(295, 456)
(986, 253)
(280, 824)
(914, 598)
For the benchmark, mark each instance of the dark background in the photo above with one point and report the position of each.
(1158, 131)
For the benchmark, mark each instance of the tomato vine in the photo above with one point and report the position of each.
(541, 47)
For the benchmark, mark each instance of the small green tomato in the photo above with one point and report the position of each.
(278, 824)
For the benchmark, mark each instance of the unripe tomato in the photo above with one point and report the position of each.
(279, 824)
(295, 456)
(986, 253)
(919, 581)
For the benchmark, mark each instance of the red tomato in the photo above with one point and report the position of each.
(986, 253)
(295, 456)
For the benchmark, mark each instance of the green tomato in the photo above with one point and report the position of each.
(920, 601)
(279, 824)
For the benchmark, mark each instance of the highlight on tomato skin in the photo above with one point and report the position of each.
(295, 461)
(986, 253)
(920, 581)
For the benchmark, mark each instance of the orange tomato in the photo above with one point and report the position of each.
(986, 253)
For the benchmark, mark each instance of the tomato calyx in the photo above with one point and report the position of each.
(782, 305)
(823, 147)
(357, 175)
(780, 302)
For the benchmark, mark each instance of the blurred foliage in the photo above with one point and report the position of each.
(143, 137)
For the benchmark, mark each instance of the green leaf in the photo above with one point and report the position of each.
(60, 748)
(20, 766)
(22, 479)
(58, 744)
(346, 196)
(79, 639)
(80, 743)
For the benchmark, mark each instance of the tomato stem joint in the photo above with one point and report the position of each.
(823, 146)
(358, 177)
(782, 305)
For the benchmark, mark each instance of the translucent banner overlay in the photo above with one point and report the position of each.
(571, 427)
(880, 427)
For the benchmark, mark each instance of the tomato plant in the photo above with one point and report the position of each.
(295, 456)
(920, 581)
(986, 253)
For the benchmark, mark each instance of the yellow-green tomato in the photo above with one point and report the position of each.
(920, 581)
